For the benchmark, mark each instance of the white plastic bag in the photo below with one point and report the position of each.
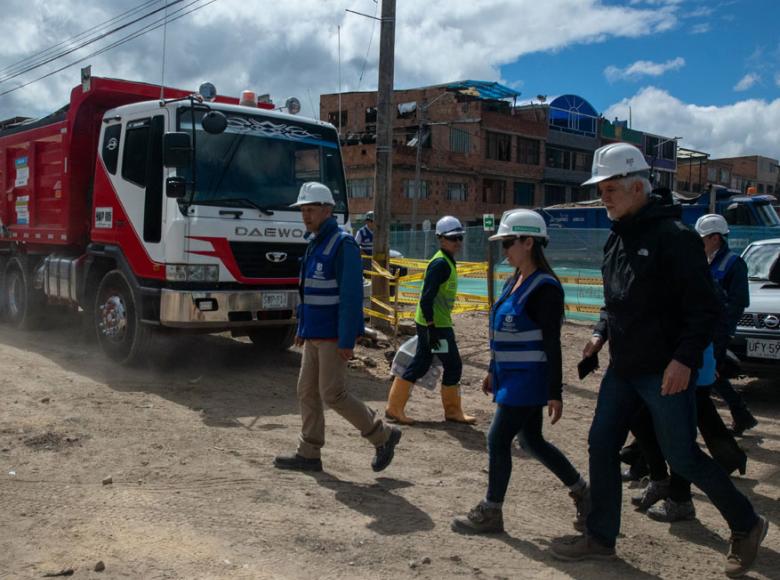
(405, 355)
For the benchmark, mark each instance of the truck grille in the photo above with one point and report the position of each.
(754, 320)
(259, 259)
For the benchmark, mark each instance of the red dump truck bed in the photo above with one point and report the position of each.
(47, 165)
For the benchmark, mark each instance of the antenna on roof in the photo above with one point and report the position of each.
(165, 38)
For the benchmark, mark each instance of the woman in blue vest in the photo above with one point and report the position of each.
(525, 371)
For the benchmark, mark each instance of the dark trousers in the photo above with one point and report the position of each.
(733, 399)
(526, 424)
(423, 357)
(674, 419)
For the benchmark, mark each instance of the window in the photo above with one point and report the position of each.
(111, 147)
(460, 140)
(360, 188)
(524, 193)
(499, 146)
(333, 118)
(760, 188)
(724, 176)
(407, 110)
(527, 151)
(712, 174)
(669, 149)
(370, 115)
(582, 161)
(493, 191)
(770, 189)
(554, 194)
(456, 191)
(651, 145)
(408, 186)
(558, 158)
(136, 149)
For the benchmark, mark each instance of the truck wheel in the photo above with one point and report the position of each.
(23, 305)
(273, 337)
(118, 325)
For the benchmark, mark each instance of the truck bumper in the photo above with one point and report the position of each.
(227, 309)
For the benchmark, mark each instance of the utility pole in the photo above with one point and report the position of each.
(384, 150)
(417, 166)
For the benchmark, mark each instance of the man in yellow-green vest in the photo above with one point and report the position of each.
(435, 335)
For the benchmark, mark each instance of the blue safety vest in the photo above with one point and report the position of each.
(722, 263)
(518, 361)
(365, 238)
(319, 286)
(706, 375)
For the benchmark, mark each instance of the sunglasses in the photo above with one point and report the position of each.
(454, 238)
(506, 244)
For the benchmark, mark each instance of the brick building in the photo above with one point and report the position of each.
(478, 153)
(737, 173)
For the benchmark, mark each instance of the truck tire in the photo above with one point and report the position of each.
(23, 305)
(273, 337)
(118, 326)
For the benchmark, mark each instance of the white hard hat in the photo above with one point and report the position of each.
(449, 226)
(314, 192)
(369, 216)
(616, 160)
(521, 222)
(711, 223)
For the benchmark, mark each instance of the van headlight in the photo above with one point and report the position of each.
(192, 272)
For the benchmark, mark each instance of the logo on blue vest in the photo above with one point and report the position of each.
(508, 324)
(318, 271)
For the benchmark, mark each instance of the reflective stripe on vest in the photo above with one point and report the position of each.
(721, 265)
(320, 304)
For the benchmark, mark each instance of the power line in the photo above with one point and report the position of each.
(368, 50)
(154, 26)
(27, 60)
(86, 43)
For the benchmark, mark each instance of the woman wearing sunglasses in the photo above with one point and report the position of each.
(525, 371)
(434, 330)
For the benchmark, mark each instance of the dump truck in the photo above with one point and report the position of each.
(158, 210)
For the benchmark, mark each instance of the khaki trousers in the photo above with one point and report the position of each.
(322, 381)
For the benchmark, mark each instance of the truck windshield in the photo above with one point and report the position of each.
(759, 259)
(767, 215)
(263, 160)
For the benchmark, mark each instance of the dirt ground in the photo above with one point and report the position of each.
(189, 441)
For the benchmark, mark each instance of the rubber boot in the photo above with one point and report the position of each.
(400, 391)
(450, 400)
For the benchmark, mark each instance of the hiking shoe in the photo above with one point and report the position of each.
(582, 505)
(297, 463)
(384, 453)
(672, 511)
(743, 421)
(652, 494)
(581, 548)
(744, 548)
(480, 520)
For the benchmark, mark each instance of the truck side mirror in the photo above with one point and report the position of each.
(774, 271)
(177, 150)
(176, 187)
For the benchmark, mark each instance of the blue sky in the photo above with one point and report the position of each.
(708, 71)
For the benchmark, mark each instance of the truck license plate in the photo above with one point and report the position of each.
(274, 300)
(761, 348)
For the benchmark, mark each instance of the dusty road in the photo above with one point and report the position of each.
(189, 441)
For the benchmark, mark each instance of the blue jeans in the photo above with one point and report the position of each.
(526, 423)
(423, 357)
(674, 419)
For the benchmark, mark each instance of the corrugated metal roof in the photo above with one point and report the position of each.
(483, 90)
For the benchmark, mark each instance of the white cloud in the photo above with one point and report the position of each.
(777, 79)
(291, 48)
(701, 28)
(643, 68)
(749, 127)
(747, 82)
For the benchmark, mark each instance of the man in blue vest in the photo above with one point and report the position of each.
(730, 271)
(365, 235)
(330, 318)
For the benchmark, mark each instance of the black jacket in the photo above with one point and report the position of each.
(660, 299)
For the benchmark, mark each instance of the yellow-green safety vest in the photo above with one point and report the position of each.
(444, 301)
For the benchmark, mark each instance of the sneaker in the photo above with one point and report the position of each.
(384, 453)
(582, 505)
(652, 494)
(744, 548)
(672, 511)
(297, 463)
(581, 548)
(480, 520)
(743, 421)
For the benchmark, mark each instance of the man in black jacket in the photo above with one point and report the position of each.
(660, 314)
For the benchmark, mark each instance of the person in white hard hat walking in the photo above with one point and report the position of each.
(525, 373)
(730, 272)
(365, 235)
(330, 318)
(435, 334)
(660, 314)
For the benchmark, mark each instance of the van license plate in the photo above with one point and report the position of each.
(274, 300)
(761, 348)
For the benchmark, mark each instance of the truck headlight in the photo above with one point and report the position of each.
(192, 272)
